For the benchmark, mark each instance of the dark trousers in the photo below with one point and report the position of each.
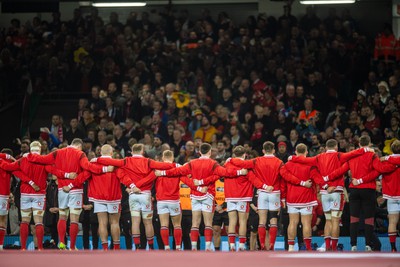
(88, 227)
(126, 225)
(362, 200)
(186, 226)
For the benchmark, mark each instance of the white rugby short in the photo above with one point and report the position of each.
(173, 208)
(206, 204)
(106, 207)
(240, 206)
(4, 205)
(269, 201)
(393, 206)
(37, 202)
(332, 201)
(303, 210)
(140, 202)
(68, 200)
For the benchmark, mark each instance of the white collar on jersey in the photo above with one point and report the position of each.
(331, 151)
(204, 157)
(269, 155)
(108, 157)
(136, 156)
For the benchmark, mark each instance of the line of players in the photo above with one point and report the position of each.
(294, 184)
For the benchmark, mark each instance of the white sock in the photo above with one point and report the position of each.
(232, 245)
(291, 247)
(194, 245)
(1, 247)
(166, 248)
(178, 247)
(241, 246)
(208, 245)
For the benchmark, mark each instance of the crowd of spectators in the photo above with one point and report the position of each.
(183, 81)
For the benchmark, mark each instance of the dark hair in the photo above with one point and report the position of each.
(239, 151)
(331, 143)
(7, 151)
(365, 140)
(268, 147)
(395, 147)
(205, 148)
(301, 148)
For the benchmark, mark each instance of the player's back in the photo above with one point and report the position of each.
(37, 173)
(5, 182)
(105, 186)
(267, 169)
(237, 187)
(328, 161)
(202, 167)
(68, 159)
(167, 188)
(137, 165)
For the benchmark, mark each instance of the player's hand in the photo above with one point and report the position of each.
(243, 172)
(12, 158)
(385, 158)
(254, 208)
(54, 210)
(196, 182)
(308, 183)
(87, 207)
(93, 160)
(72, 175)
(269, 188)
(355, 182)
(66, 189)
(136, 190)
(110, 168)
(331, 189)
(36, 187)
(128, 190)
(289, 158)
(203, 189)
(283, 204)
(158, 173)
(315, 228)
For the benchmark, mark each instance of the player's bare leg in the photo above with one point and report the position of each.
(73, 227)
(243, 216)
(335, 230)
(148, 227)
(392, 229)
(103, 231)
(39, 229)
(292, 229)
(164, 222)
(176, 222)
(273, 228)
(136, 219)
(3, 228)
(194, 232)
(328, 230)
(306, 224)
(233, 218)
(115, 229)
(262, 232)
(217, 235)
(208, 230)
(24, 227)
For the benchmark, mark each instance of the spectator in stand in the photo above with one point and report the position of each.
(293, 141)
(206, 131)
(96, 103)
(74, 131)
(282, 153)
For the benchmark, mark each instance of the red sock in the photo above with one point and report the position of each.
(327, 242)
(23, 234)
(105, 246)
(290, 242)
(208, 234)
(39, 235)
(178, 236)
(392, 237)
(308, 243)
(242, 239)
(2, 234)
(262, 232)
(73, 232)
(273, 231)
(116, 244)
(136, 240)
(194, 234)
(334, 244)
(165, 235)
(232, 238)
(150, 241)
(62, 229)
